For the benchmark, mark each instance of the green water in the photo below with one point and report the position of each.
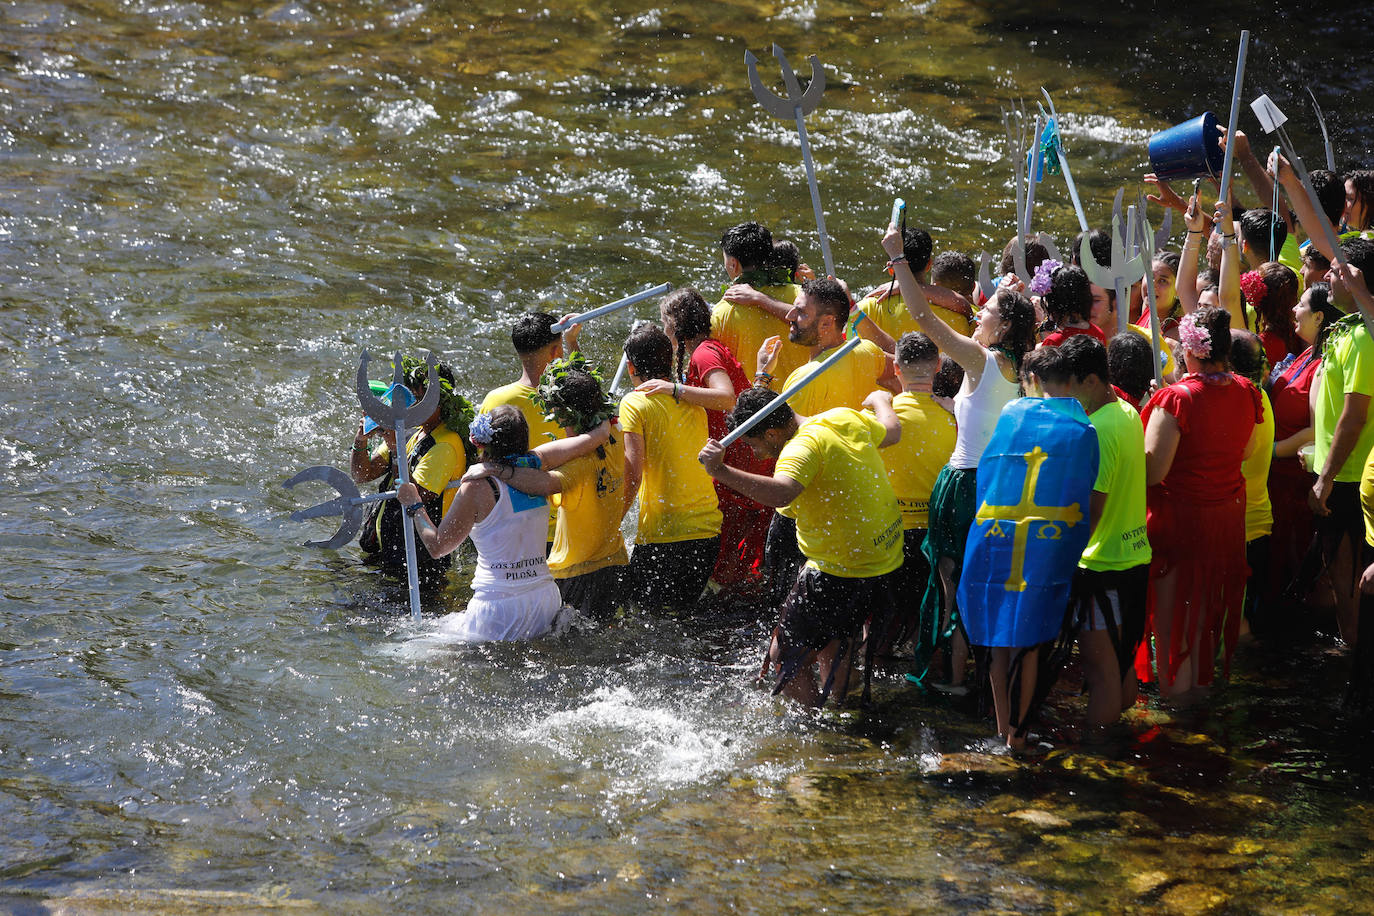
(209, 210)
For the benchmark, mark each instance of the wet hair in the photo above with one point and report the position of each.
(1363, 180)
(1084, 355)
(533, 332)
(1255, 228)
(1320, 261)
(1130, 363)
(949, 378)
(1359, 252)
(650, 350)
(1319, 299)
(1099, 243)
(1330, 189)
(1036, 254)
(1216, 321)
(1045, 364)
(690, 317)
(787, 256)
(916, 248)
(829, 297)
(510, 435)
(1247, 356)
(749, 243)
(1275, 308)
(1019, 337)
(1070, 298)
(955, 271)
(751, 402)
(915, 349)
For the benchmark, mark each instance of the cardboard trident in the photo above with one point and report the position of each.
(1127, 264)
(796, 105)
(349, 503)
(1024, 149)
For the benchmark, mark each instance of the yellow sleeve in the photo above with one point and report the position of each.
(631, 418)
(800, 460)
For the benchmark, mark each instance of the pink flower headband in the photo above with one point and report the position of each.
(1194, 339)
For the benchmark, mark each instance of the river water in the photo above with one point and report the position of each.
(210, 209)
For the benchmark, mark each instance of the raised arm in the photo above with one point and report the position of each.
(1228, 292)
(1310, 220)
(965, 351)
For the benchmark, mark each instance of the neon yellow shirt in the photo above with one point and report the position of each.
(541, 430)
(1367, 498)
(590, 507)
(913, 463)
(677, 498)
(895, 319)
(1259, 514)
(844, 384)
(1119, 541)
(847, 519)
(1350, 370)
(744, 328)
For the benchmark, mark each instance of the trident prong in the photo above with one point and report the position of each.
(348, 504)
(1126, 267)
(390, 415)
(797, 103)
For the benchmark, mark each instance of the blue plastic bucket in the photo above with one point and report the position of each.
(1188, 150)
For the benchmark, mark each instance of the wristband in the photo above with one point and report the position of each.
(413, 508)
(854, 322)
(763, 377)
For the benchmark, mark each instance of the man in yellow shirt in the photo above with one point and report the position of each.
(536, 345)
(886, 316)
(830, 478)
(928, 435)
(679, 517)
(817, 321)
(755, 306)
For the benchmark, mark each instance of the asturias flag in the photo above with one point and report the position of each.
(1035, 482)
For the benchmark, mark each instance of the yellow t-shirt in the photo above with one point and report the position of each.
(541, 430)
(1259, 515)
(677, 498)
(590, 507)
(913, 463)
(1367, 498)
(744, 328)
(443, 463)
(844, 384)
(895, 319)
(847, 519)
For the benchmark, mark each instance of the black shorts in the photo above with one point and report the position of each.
(782, 558)
(671, 577)
(597, 594)
(1115, 601)
(821, 609)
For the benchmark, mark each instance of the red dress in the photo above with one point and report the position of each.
(1196, 516)
(1289, 482)
(744, 523)
(1063, 334)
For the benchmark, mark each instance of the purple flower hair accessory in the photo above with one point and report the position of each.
(1040, 283)
(1194, 339)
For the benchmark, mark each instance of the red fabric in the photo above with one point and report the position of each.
(1289, 395)
(1222, 414)
(744, 523)
(1127, 398)
(1277, 346)
(1063, 334)
(1196, 520)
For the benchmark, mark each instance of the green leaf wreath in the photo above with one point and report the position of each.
(549, 397)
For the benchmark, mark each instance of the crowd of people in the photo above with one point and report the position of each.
(980, 484)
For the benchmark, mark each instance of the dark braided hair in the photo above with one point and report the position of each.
(686, 317)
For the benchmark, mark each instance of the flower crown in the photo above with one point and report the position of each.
(1041, 282)
(1195, 340)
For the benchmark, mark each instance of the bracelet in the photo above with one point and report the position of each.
(1195, 232)
(854, 323)
(413, 508)
(763, 377)
(897, 260)
(675, 387)
(359, 448)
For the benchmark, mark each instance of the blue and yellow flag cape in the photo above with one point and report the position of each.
(1035, 482)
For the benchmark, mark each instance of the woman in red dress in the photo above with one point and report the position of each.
(1197, 431)
(1290, 391)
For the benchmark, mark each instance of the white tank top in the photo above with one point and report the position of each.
(510, 544)
(976, 412)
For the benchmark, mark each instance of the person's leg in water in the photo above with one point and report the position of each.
(958, 646)
(1005, 682)
(1103, 677)
(1171, 686)
(1343, 582)
(834, 667)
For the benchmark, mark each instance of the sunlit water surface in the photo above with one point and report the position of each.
(210, 209)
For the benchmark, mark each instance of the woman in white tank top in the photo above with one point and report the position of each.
(991, 360)
(513, 594)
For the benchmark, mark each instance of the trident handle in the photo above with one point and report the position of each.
(783, 398)
(659, 290)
